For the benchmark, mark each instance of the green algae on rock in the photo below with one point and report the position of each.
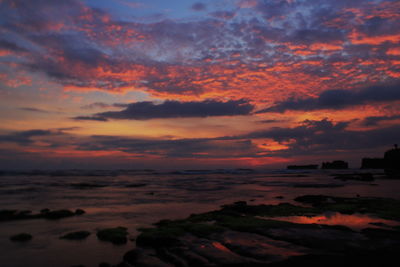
(244, 235)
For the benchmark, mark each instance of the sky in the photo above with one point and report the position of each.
(197, 84)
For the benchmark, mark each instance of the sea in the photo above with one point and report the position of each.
(139, 198)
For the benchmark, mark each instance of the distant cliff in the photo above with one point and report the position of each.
(373, 163)
(392, 162)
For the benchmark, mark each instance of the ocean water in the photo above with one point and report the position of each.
(135, 199)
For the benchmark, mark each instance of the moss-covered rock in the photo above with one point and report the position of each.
(79, 235)
(382, 207)
(117, 235)
(210, 238)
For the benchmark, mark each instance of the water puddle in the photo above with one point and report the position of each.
(354, 221)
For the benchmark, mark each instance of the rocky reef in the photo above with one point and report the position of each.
(11, 215)
(392, 162)
(337, 164)
(303, 167)
(117, 235)
(373, 163)
(245, 235)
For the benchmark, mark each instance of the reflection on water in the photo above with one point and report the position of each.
(135, 200)
(354, 221)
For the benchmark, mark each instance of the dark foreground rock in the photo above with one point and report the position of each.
(365, 177)
(246, 235)
(79, 235)
(22, 237)
(337, 164)
(392, 163)
(11, 215)
(117, 235)
(373, 163)
(303, 167)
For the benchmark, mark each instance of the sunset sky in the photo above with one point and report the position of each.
(197, 84)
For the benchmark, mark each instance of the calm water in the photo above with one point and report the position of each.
(137, 199)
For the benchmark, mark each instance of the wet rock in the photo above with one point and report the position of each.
(44, 210)
(367, 177)
(240, 235)
(58, 214)
(309, 185)
(10, 215)
(79, 212)
(144, 258)
(22, 237)
(302, 167)
(117, 235)
(392, 163)
(382, 207)
(337, 164)
(373, 163)
(79, 235)
(86, 185)
(136, 185)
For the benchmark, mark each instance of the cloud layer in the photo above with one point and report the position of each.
(175, 109)
(274, 49)
(340, 99)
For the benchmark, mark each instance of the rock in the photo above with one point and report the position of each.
(245, 235)
(10, 215)
(79, 212)
(144, 258)
(136, 185)
(79, 235)
(302, 167)
(58, 214)
(117, 235)
(22, 237)
(44, 210)
(366, 177)
(384, 208)
(337, 164)
(86, 185)
(373, 163)
(392, 163)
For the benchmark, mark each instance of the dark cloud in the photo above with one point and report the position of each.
(309, 138)
(338, 99)
(11, 46)
(82, 47)
(90, 118)
(375, 120)
(175, 109)
(325, 136)
(34, 110)
(104, 105)
(24, 137)
(199, 6)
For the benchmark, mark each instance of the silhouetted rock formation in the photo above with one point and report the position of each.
(337, 164)
(392, 162)
(302, 167)
(373, 163)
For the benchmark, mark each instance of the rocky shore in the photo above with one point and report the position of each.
(244, 235)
